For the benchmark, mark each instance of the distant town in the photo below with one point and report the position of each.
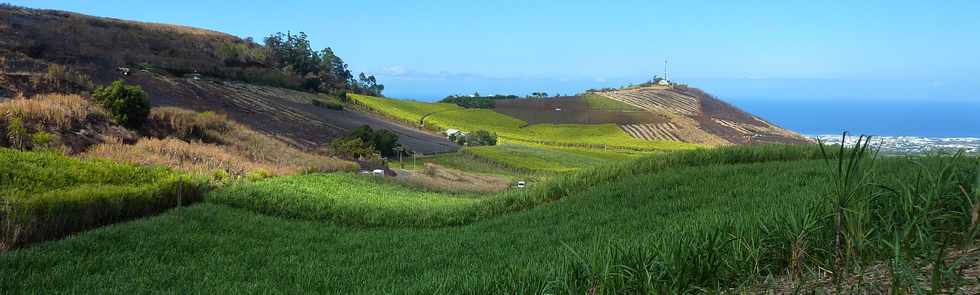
(914, 144)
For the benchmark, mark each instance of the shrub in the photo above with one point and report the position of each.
(43, 140)
(17, 133)
(481, 138)
(328, 104)
(126, 103)
(352, 149)
(382, 140)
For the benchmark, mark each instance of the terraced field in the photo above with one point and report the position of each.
(658, 100)
(663, 131)
(696, 117)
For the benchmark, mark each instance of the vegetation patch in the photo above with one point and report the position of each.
(210, 144)
(443, 179)
(44, 195)
(345, 198)
(508, 128)
(67, 122)
(548, 159)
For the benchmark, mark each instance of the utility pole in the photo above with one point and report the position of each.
(665, 70)
(400, 151)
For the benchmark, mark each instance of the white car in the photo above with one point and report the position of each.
(521, 184)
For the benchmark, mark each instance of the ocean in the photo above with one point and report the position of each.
(873, 117)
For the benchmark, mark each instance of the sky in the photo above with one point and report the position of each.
(753, 53)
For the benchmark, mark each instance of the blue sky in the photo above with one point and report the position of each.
(897, 51)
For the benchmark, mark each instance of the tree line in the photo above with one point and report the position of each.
(320, 70)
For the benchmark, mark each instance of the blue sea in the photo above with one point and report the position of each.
(878, 117)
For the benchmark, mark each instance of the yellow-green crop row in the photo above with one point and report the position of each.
(405, 110)
(512, 130)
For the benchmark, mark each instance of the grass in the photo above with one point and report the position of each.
(633, 229)
(47, 195)
(58, 111)
(405, 110)
(537, 159)
(599, 102)
(475, 119)
(347, 199)
(344, 198)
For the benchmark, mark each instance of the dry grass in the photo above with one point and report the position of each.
(57, 110)
(208, 143)
(193, 157)
(439, 178)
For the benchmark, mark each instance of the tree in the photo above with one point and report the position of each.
(293, 52)
(368, 85)
(352, 149)
(382, 140)
(334, 74)
(127, 104)
(481, 138)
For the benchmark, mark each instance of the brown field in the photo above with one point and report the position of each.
(439, 178)
(573, 110)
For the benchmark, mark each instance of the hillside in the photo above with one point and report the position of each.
(43, 51)
(691, 115)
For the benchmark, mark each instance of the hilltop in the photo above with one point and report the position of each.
(692, 115)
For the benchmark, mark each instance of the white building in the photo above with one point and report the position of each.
(452, 131)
